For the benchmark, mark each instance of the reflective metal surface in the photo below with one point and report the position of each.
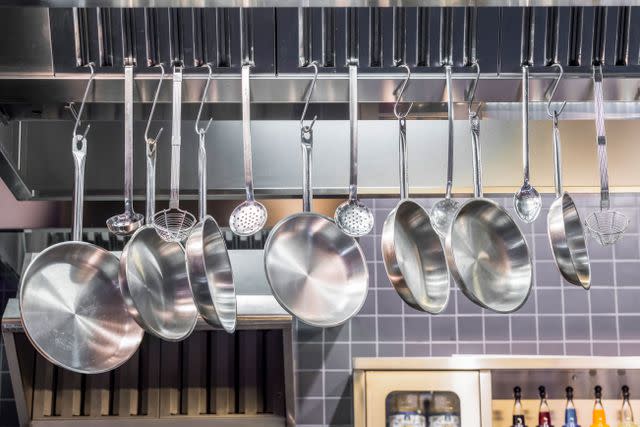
(414, 259)
(154, 282)
(488, 256)
(316, 272)
(72, 309)
(568, 242)
(211, 276)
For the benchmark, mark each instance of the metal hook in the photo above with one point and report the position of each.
(307, 100)
(401, 94)
(153, 109)
(556, 113)
(84, 100)
(472, 92)
(202, 131)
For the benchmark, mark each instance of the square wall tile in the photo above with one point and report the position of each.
(628, 300)
(470, 328)
(627, 273)
(605, 349)
(390, 329)
(306, 333)
(363, 350)
(576, 328)
(309, 356)
(549, 301)
(443, 328)
(546, 274)
(336, 356)
(337, 383)
(310, 411)
(542, 248)
(417, 350)
(338, 333)
(576, 301)
(471, 348)
(551, 348)
(524, 348)
(309, 384)
(390, 350)
(338, 412)
(602, 274)
(416, 328)
(597, 251)
(369, 306)
(523, 328)
(363, 329)
(466, 306)
(629, 329)
(578, 349)
(497, 348)
(550, 328)
(630, 349)
(602, 301)
(496, 328)
(627, 249)
(389, 302)
(443, 349)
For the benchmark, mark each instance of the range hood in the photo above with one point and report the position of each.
(43, 71)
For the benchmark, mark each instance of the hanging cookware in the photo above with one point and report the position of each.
(208, 263)
(315, 271)
(353, 217)
(175, 224)
(564, 225)
(126, 223)
(413, 255)
(487, 253)
(153, 274)
(70, 303)
(250, 216)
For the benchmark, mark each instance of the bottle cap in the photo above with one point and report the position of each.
(625, 392)
(598, 392)
(517, 392)
(569, 391)
(542, 391)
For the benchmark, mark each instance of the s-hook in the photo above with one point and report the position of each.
(151, 142)
(472, 92)
(202, 131)
(556, 113)
(306, 129)
(403, 88)
(78, 116)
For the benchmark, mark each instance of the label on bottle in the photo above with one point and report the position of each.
(570, 417)
(407, 419)
(446, 420)
(518, 420)
(544, 419)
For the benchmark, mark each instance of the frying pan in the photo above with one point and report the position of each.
(564, 225)
(315, 271)
(70, 303)
(412, 251)
(487, 254)
(153, 274)
(208, 263)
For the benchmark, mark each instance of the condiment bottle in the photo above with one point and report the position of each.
(626, 412)
(544, 414)
(570, 415)
(518, 412)
(599, 417)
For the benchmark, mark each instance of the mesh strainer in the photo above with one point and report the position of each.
(175, 224)
(606, 226)
(353, 217)
(250, 216)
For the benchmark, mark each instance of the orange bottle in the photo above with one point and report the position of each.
(599, 417)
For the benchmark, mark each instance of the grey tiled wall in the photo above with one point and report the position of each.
(558, 318)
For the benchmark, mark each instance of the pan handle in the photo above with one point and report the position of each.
(404, 174)
(353, 130)
(176, 137)
(79, 150)
(475, 149)
(557, 159)
(306, 139)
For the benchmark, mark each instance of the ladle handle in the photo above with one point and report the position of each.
(151, 180)
(525, 122)
(176, 135)
(202, 176)
(306, 139)
(598, 100)
(404, 174)
(353, 131)
(128, 138)
(475, 150)
(557, 156)
(450, 126)
(79, 150)
(246, 131)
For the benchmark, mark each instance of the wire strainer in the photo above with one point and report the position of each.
(606, 226)
(175, 224)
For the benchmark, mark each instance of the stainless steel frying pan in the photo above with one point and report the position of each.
(70, 302)
(564, 226)
(315, 271)
(208, 262)
(413, 255)
(153, 274)
(487, 254)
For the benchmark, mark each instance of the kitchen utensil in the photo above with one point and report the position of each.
(487, 254)
(175, 224)
(70, 303)
(315, 271)
(606, 226)
(354, 217)
(413, 255)
(129, 221)
(443, 211)
(153, 275)
(250, 216)
(527, 201)
(208, 263)
(564, 225)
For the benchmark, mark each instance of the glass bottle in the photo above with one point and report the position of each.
(570, 415)
(599, 417)
(544, 414)
(626, 412)
(518, 412)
